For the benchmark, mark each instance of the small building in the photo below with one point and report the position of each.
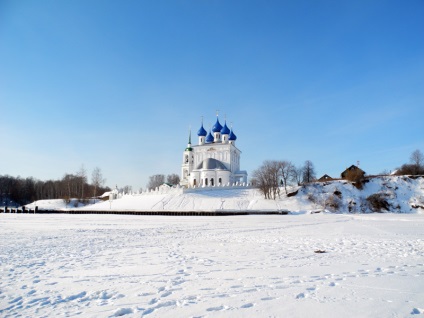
(352, 169)
(110, 195)
(165, 186)
(325, 177)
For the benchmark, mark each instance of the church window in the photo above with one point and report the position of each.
(212, 182)
(194, 182)
(220, 181)
(206, 181)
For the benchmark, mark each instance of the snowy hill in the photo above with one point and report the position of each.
(400, 194)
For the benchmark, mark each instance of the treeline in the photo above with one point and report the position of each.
(157, 180)
(19, 191)
(273, 174)
(415, 165)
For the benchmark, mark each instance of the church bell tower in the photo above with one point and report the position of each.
(188, 161)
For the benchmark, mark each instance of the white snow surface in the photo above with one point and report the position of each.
(403, 194)
(52, 265)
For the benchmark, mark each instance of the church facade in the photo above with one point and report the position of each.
(214, 161)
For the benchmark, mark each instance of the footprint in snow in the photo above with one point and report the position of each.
(15, 300)
(122, 311)
(153, 301)
(148, 311)
(218, 308)
(301, 296)
(166, 294)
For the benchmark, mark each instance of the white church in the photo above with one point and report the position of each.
(215, 161)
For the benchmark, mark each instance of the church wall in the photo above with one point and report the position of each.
(226, 153)
(216, 175)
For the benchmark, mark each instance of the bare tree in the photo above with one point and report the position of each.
(416, 167)
(297, 173)
(155, 181)
(410, 169)
(286, 170)
(127, 189)
(82, 176)
(97, 180)
(267, 177)
(67, 181)
(308, 172)
(173, 179)
(417, 159)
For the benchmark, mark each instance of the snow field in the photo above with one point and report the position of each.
(241, 266)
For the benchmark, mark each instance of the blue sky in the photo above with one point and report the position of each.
(116, 84)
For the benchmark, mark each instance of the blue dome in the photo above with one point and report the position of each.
(232, 136)
(202, 132)
(209, 138)
(225, 130)
(217, 127)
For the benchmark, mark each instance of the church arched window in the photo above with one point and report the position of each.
(211, 182)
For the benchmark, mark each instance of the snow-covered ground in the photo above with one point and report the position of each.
(238, 266)
(403, 194)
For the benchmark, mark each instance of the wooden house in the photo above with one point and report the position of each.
(352, 169)
(325, 177)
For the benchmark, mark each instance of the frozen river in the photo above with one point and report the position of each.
(235, 266)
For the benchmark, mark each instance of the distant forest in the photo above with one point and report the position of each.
(16, 191)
